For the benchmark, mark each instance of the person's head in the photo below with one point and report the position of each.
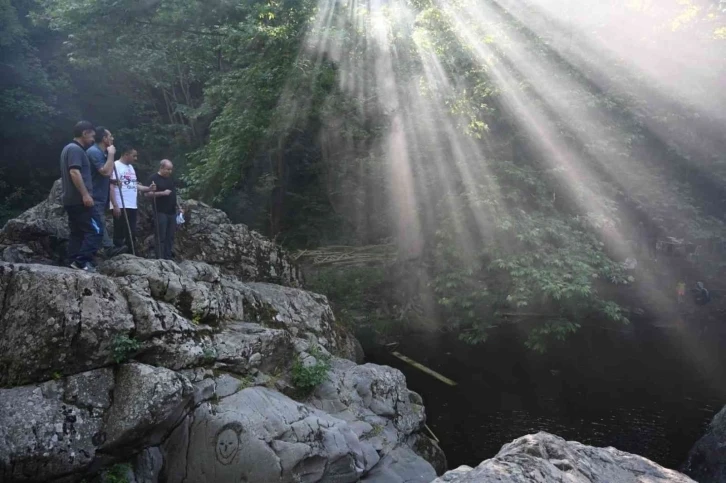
(165, 168)
(83, 133)
(128, 155)
(103, 137)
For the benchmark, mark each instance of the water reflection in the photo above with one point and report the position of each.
(634, 394)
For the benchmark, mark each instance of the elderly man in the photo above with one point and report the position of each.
(166, 208)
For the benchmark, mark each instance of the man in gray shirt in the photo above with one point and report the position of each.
(77, 200)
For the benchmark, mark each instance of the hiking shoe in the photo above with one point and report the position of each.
(86, 268)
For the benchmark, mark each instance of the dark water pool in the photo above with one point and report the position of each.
(649, 391)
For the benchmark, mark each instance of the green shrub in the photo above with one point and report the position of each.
(209, 354)
(307, 378)
(117, 474)
(123, 348)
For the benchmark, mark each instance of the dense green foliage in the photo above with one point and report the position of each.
(507, 153)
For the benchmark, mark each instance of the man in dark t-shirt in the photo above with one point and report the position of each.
(167, 208)
(77, 187)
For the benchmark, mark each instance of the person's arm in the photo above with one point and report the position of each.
(114, 185)
(81, 187)
(107, 168)
(146, 189)
(116, 209)
(157, 194)
(154, 193)
(103, 166)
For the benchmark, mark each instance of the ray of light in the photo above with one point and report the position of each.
(542, 94)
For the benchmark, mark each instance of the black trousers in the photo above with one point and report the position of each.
(167, 229)
(121, 233)
(85, 232)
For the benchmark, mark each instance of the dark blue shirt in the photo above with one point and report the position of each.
(100, 182)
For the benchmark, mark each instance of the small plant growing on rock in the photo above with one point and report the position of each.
(245, 382)
(273, 378)
(209, 354)
(123, 347)
(117, 474)
(307, 378)
(376, 431)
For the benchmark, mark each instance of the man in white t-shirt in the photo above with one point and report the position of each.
(124, 190)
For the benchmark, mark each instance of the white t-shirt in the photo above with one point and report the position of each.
(127, 173)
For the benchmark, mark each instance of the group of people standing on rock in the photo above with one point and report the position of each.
(93, 182)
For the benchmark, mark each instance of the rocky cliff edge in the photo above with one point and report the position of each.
(219, 368)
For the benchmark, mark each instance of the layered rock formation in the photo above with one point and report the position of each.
(204, 358)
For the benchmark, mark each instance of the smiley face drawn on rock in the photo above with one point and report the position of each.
(227, 442)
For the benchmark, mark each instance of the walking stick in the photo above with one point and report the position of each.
(126, 215)
(156, 224)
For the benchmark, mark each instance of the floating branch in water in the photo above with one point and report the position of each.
(431, 433)
(425, 369)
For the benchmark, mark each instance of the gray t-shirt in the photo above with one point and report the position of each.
(74, 156)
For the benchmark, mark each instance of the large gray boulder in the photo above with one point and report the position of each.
(402, 465)
(145, 397)
(545, 458)
(40, 235)
(355, 425)
(58, 428)
(707, 459)
(372, 394)
(258, 434)
(207, 353)
(209, 236)
(261, 435)
(54, 321)
(53, 428)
